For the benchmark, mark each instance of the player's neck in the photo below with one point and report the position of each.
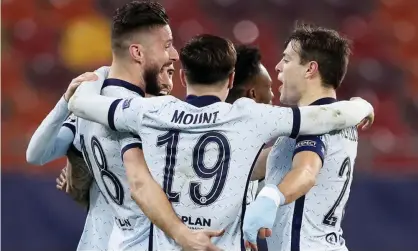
(124, 72)
(205, 91)
(311, 96)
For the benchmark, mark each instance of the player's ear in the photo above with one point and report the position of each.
(251, 93)
(182, 78)
(136, 52)
(312, 69)
(231, 80)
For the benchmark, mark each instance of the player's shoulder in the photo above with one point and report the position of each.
(150, 103)
(243, 102)
(242, 105)
(349, 133)
(71, 123)
(284, 142)
(72, 119)
(160, 100)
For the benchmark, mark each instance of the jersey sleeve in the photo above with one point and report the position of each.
(274, 121)
(53, 137)
(125, 115)
(312, 143)
(129, 141)
(71, 123)
(336, 116)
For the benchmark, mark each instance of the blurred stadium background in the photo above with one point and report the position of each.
(45, 43)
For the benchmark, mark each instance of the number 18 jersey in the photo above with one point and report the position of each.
(101, 148)
(202, 152)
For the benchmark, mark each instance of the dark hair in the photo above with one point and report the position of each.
(133, 17)
(325, 46)
(208, 59)
(246, 67)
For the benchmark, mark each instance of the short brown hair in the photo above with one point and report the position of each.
(325, 46)
(135, 16)
(208, 59)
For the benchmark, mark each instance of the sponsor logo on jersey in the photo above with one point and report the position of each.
(196, 223)
(124, 224)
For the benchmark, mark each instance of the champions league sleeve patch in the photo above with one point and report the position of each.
(310, 143)
(126, 104)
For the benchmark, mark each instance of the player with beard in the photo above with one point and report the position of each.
(141, 47)
(201, 150)
(64, 179)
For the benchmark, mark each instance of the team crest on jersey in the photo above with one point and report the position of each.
(126, 103)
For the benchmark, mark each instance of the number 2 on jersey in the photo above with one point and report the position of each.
(101, 163)
(330, 218)
(218, 171)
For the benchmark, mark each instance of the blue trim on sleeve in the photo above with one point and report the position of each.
(312, 143)
(111, 114)
(70, 126)
(130, 146)
(296, 122)
(136, 136)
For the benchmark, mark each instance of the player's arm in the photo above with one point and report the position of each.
(307, 162)
(259, 171)
(149, 196)
(317, 120)
(53, 137)
(122, 115)
(273, 122)
(51, 141)
(78, 178)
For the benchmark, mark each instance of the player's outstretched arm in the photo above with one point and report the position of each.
(315, 120)
(122, 115)
(51, 139)
(152, 200)
(271, 122)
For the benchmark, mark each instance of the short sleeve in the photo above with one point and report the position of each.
(312, 143)
(129, 141)
(71, 123)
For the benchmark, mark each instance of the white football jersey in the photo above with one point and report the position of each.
(202, 153)
(99, 221)
(313, 222)
(102, 151)
(252, 191)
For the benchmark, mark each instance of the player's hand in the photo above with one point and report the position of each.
(367, 122)
(262, 234)
(62, 180)
(200, 240)
(259, 219)
(88, 76)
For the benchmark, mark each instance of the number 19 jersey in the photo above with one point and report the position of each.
(202, 152)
